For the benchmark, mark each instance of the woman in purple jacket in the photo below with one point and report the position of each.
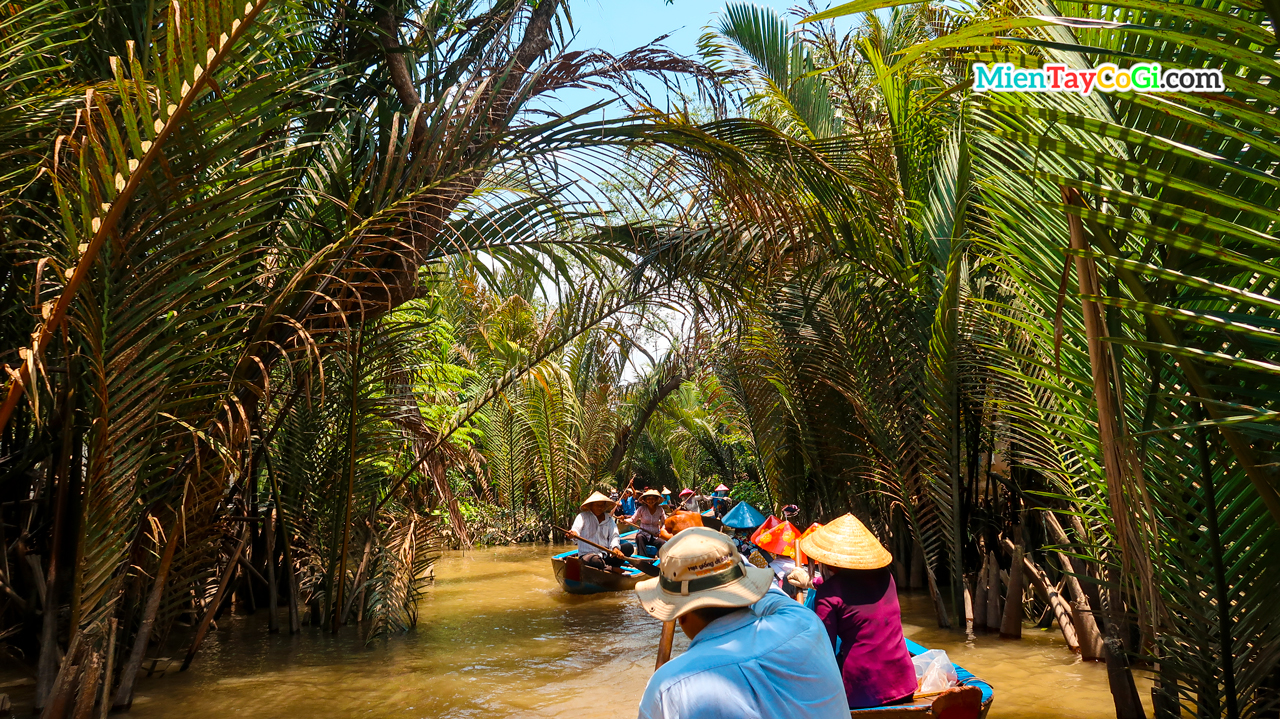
(858, 604)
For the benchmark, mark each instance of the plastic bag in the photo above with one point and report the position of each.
(934, 671)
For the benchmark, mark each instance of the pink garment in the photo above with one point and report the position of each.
(650, 522)
(860, 611)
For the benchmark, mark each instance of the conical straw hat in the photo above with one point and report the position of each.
(846, 543)
(595, 497)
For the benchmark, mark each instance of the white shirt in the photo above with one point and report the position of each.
(782, 566)
(603, 532)
(691, 504)
(771, 662)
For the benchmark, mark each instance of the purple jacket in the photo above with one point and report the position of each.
(861, 614)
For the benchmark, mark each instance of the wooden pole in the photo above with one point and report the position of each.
(47, 664)
(968, 610)
(203, 628)
(359, 578)
(664, 645)
(1011, 624)
(269, 532)
(980, 596)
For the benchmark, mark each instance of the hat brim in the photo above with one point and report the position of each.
(877, 558)
(665, 606)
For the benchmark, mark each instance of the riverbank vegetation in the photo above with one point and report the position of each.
(295, 294)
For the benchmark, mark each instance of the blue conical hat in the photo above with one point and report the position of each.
(743, 516)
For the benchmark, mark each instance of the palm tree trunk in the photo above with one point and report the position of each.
(269, 537)
(212, 608)
(291, 577)
(46, 667)
(340, 579)
(1083, 610)
(1123, 690)
(129, 672)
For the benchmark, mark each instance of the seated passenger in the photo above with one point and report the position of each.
(649, 519)
(858, 603)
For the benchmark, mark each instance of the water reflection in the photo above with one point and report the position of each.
(498, 638)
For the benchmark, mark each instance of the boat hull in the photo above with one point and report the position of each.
(924, 707)
(577, 578)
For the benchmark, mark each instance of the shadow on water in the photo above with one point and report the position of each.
(498, 638)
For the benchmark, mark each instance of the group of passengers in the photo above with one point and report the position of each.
(754, 650)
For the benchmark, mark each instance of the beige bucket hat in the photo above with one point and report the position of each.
(846, 543)
(701, 568)
(596, 497)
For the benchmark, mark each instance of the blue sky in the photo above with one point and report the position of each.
(620, 25)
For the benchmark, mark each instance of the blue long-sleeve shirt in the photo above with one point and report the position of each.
(771, 662)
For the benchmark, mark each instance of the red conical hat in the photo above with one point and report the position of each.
(781, 539)
(769, 523)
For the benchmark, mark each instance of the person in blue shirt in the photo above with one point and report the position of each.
(754, 653)
(627, 507)
(720, 501)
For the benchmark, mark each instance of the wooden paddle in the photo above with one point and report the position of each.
(606, 550)
(664, 644)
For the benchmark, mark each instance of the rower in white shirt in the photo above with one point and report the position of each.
(595, 524)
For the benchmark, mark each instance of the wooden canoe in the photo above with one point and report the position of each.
(578, 578)
(971, 700)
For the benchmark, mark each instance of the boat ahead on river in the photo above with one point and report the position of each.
(578, 578)
(973, 704)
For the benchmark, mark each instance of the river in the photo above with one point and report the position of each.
(498, 638)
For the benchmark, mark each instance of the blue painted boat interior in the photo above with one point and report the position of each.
(965, 676)
(628, 535)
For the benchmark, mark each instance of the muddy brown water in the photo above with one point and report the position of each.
(497, 637)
